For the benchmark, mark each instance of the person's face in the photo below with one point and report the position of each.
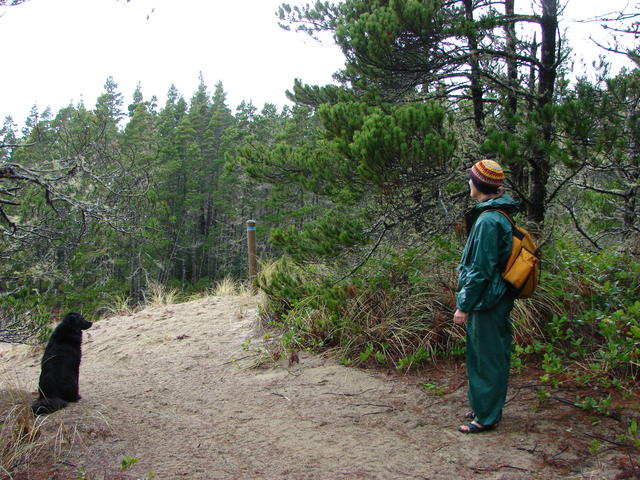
(473, 190)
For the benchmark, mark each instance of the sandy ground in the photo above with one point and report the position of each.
(176, 388)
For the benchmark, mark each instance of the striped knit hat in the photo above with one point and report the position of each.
(488, 174)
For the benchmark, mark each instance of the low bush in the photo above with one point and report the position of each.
(592, 332)
(395, 311)
(582, 324)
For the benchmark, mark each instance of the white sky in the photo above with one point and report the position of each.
(57, 52)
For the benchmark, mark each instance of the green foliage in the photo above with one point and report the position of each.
(149, 202)
(589, 404)
(389, 146)
(582, 326)
(433, 388)
(420, 356)
(30, 317)
(346, 184)
(592, 335)
(127, 462)
(333, 183)
(633, 433)
(326, 237)
(390, 313)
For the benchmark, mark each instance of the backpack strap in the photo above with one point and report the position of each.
(514, 229)
(503, 213)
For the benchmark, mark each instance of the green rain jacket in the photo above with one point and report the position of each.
(480, 284)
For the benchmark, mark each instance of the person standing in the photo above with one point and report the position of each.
(482, 301)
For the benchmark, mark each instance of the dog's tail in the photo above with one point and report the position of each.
(43, 406)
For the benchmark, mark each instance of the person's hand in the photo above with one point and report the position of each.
(460, 317)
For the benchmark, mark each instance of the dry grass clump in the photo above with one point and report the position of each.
(158, 295)
(19, 430)
(119, 305)
(225, 287)
(266, 269)
(528, 317)
(399, 325)
(30, 446)
(400, 315)
(229, 287)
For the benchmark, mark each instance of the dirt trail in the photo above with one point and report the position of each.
(162, 386)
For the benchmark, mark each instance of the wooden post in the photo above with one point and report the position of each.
(253, 259)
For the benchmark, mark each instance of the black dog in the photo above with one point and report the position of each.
(60, 366)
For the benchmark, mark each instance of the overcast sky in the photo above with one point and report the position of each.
(57, 52)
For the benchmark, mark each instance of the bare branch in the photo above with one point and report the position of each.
(576, 223)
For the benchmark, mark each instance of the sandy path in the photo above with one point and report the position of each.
(161, 386)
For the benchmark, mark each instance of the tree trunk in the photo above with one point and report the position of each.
(475, 85)
(518, 176)
(540, 161)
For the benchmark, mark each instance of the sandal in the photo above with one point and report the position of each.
(473, 428)
(470, 415)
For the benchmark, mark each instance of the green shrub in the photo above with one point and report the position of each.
(592, 332)
(396, 310)
(582, 325)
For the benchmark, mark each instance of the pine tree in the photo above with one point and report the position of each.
(463, 55)
(216, 218)
(109, 104)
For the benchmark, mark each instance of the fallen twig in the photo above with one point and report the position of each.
(512, 398)
(497, 467)
(460, 385)
(371, 405)
(281, 395)
(573, 404)
(234, 360)
(376, 413)
(348, 394)
(440, 447)
(432, 404)
(561, 452)
(619, 444)
(412, 475)
(528, 450)
(319, 384)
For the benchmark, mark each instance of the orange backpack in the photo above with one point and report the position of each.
(522, 271)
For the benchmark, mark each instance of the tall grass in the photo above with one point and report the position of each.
(20, 439)
(228, 287)
(30, 445)
(118, 305)
(529, 316)
(157, 295)
(396, 311)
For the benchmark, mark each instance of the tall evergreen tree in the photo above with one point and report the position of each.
(140, 150)
(464, 55)
(109, 105)
(215, 216)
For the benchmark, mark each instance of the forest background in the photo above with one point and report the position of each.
(358, 190)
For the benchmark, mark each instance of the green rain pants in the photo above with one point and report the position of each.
(488, 360)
